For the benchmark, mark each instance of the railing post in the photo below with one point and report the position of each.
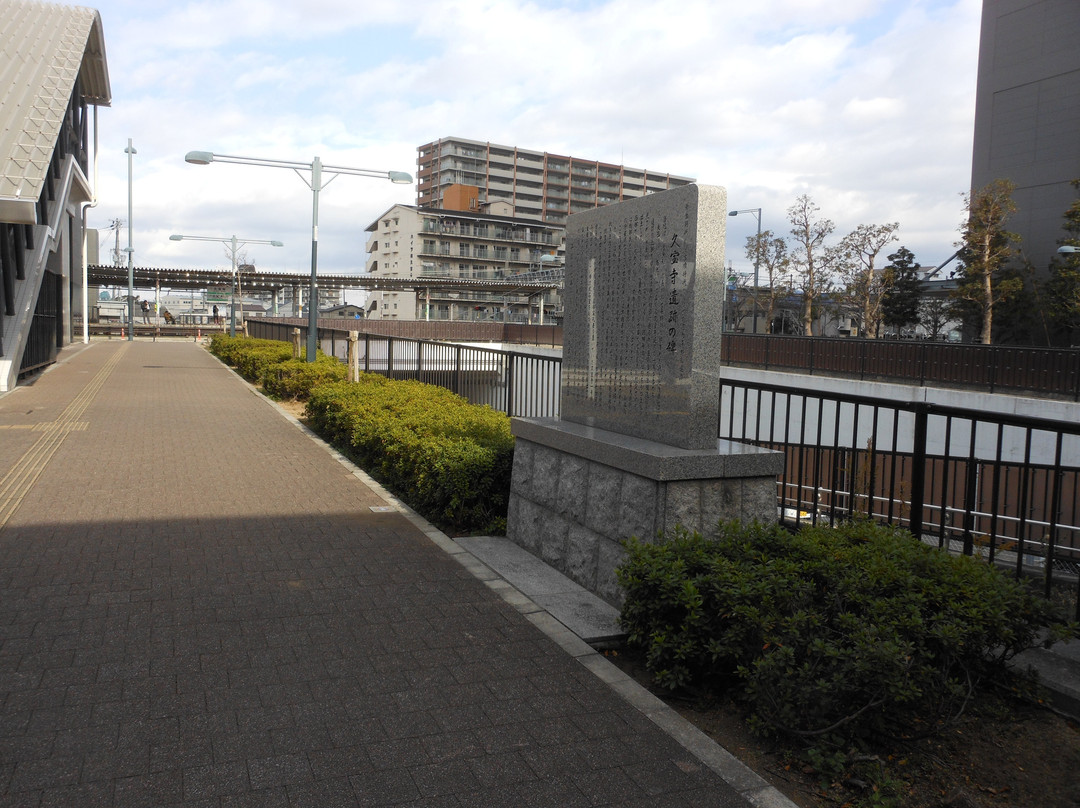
(918, 470)
(510, 385)
(457, 369)
(354, 357)
(389, 357)
(367, 352)
(971, 493)
(993, 368)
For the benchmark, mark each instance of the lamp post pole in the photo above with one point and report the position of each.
(313, 291)
(130, 151)
(757, 255)
(316, 184)
(234, 244)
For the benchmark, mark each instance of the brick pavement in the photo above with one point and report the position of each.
(198, 607)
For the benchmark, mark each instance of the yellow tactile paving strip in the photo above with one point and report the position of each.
(21, 476)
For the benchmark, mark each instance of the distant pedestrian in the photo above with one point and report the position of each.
(146, 312)
(217, 320)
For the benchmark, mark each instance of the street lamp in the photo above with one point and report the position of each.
(234, 245)
(316, 184)
(1068, 248)
(130, 151)
(757, 254)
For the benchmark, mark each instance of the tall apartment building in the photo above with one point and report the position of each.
(536, 185)
(410, 242)
(1027, 114)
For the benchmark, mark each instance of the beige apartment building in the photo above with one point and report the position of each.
(536, 185)
(409, 242)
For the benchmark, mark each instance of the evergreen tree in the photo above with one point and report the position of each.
(1064, 283)
(986, 249)
(901, 302)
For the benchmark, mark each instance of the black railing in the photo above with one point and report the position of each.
(1004, 486)
(988, 368)
(520, 384)
(438, 330)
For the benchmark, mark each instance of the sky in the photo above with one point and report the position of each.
(866, 106)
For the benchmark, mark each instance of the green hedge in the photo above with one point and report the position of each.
(450, 459)
(296, 378)
(834, 633)
(251, 357)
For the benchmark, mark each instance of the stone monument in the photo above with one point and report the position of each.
(635, 451)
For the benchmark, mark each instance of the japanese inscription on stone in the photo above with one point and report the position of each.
(644, 282)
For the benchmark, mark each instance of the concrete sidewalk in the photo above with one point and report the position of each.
(201, 605)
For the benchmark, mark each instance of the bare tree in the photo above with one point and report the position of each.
(769, 253)
(933, 315)
(809, 258)
(865, 285)
(738, 300)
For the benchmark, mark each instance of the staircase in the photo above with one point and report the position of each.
(32, 308)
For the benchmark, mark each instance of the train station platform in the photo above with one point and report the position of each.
(203, 605)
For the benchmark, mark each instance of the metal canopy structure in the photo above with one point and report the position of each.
(258, 281)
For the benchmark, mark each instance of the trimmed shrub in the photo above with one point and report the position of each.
(245, 353)
(295, 378)
(831, 633)
(451, 460)
(255, 360)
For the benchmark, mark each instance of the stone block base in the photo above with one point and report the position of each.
(578, 491)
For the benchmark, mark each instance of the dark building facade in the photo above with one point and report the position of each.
(1027, 114)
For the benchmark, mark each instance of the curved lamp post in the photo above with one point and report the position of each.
(234, 244)
(757, 256)
(316, 184)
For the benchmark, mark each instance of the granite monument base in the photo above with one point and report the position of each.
(577, 491)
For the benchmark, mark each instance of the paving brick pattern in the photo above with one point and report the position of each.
(198, 607)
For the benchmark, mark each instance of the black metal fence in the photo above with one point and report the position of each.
(988, 368)
(1004, 486)
(434, 330)
(518, 383)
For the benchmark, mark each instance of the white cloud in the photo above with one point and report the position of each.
(866, 105)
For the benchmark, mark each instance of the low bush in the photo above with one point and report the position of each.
(295, 378)
(450, 459)
(249, 356)
(832, 634)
